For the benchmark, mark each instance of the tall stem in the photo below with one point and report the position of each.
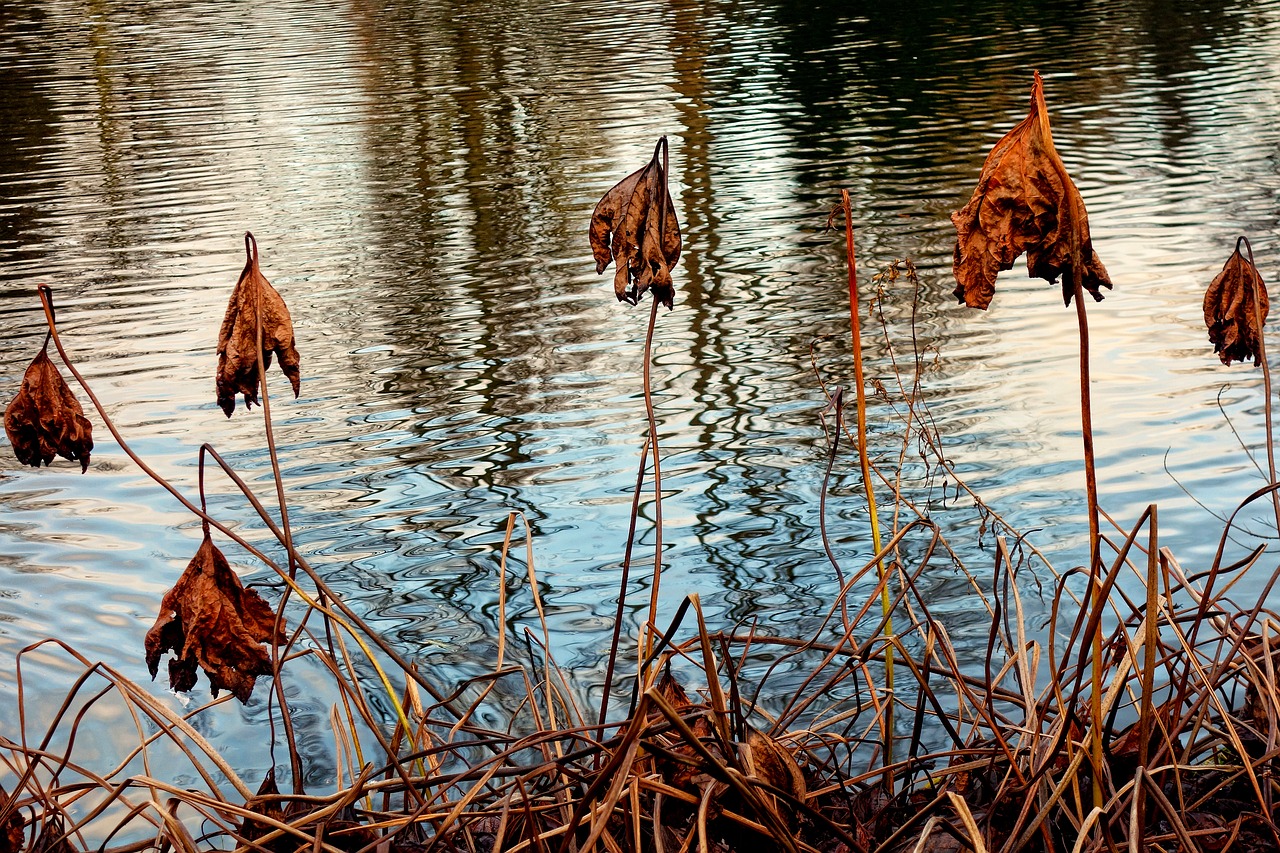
(1266, 375)
(651, 622)
(860, 389)
(1095, 549)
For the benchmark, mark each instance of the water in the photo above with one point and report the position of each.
(419, 177)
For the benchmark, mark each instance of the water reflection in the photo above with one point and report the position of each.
(420, 176)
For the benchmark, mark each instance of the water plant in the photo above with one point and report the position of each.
(734, 738)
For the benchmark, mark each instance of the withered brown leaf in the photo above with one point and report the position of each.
(12, 834)
(1235, 307)
(210, 620)
(1025, 202)
(635, 227)
(238, 338)
(45, 419)
(268, 804)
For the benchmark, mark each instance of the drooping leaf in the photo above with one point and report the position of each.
(1025, 202)
(238, 338)
(45, 419)
(211, 621)
(1235, 308)
(634, 226)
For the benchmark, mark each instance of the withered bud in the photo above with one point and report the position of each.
(45, 419)
(238, 338)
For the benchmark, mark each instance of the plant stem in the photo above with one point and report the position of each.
(1095, 550)
(860, 390)
(622, 589)
(1266, 376)
(650, 626)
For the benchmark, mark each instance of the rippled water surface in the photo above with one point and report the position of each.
(419, 177)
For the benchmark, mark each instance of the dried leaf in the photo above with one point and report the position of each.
(12, 835)
(238, 338)
(1025, 202)
(209, 619)
(770, 761)
(268, 804)
(45, 419)
(1235, 307)
(52, 837)
(635, 227)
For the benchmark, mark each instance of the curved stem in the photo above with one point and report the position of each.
(404, 665)
(295, 760)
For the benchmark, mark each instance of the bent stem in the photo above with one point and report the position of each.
(350, 619)
(277, 684)
(886, 606)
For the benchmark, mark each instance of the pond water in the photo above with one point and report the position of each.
(419, 176)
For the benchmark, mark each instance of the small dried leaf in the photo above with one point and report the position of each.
(52, 837)
(12, 835)
(238, 338)
(770, 761)
(210, 620)
(268, 804)
(635, 227)
(1025, 202)
(45, 419)
(1235, 307)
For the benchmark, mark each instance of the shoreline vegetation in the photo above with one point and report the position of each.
(1133, 722)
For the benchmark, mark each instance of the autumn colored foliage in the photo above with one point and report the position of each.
(209, 620)
(634, 226)
(238, 338)
(45, 419)
(993, 754)
(1025, 202)
(1236, 308)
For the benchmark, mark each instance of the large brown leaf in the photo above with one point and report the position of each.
(238, 338)
(635, 227)
(45, 419)
(1025, 202)
(1235, 307)
(210, 620)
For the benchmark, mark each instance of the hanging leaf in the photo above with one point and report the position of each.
(45, 419)
(238, 338)
(210, 620)
(634, 226)
(1235, 308)
(1025, 202)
